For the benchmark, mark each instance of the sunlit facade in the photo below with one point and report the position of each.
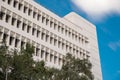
(23, 21)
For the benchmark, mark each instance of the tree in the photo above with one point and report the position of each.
(16, 65)
(75, 69)
(5, 61)
(22, 63)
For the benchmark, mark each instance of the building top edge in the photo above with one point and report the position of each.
(75, 15)
(61, 19)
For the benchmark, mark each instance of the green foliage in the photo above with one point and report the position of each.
(16, 65)
(75, 69)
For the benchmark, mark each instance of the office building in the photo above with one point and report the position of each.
(23, 21)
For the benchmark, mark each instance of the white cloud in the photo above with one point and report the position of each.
(114, 45)
(98, 8)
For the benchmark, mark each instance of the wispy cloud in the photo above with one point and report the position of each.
(106, 30)
(98, 9)
(114, 45)
(118, 71)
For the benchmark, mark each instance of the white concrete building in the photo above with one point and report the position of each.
(24, 21)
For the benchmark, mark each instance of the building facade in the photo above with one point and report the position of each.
(23, 21)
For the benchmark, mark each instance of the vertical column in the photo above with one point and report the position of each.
(39, 54)
(57, 59)
(4, 17)
(1, 35)
(12, 2)
(48, 55)
(19, 44)
(48, 38)
(35, 30)
(35, 46)
(14, 37)
(40, 33)
(44, 54)
(40, 17)
(10, 17)
(8, 38)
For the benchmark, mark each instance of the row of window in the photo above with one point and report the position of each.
(44, 18)
(40, 51)
(18, 41)
(39, 32)
(15, 41)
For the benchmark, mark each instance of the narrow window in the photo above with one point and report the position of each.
(62, 45)
(55, 25)
(25, 9)
(79, 39)
(51, 57)
(2, 14)
(72, 36)
(33, 31)
(15, 3)
(46, 56)
(29, 11)
(18, 23)
(55, 42)
(3, 0)
(22, 44)
(55, 59)
(34, 14)
(47, 20)
(5, 37)
(13, 21)
(42, 53)
(62, 30)
(23, 26)
(59, 61)
(69, 34)
(7, 18)
(38, 33)
(51, 39)
(66, 47)
(47, 36)
(16, 42)
(51, 23)
(82, 41)
(37, 51)
(76, 37)
(19, 6)
(28, 28)
(70, 49)
(66, 32)
(42, 36)
(38, 17)
(11, 40)
(73, 51)
(9, 1)
(58, 28)
(59, 44)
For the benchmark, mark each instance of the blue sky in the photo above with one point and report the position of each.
(105, 14)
